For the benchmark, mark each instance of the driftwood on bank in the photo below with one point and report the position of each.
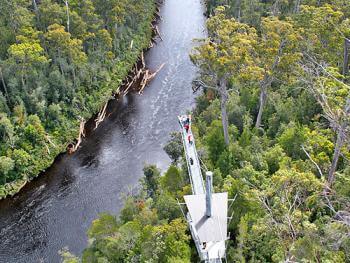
(157, 14)
(139, 77)
(74, 147)
(149, 77)
(101, 116)
(158, 33)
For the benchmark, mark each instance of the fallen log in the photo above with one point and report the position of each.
(101, 116)
(147, 78)
(156, 72)
(157, 30)
(144, 81)
(74, 147)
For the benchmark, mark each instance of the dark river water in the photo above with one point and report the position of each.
(56, 209)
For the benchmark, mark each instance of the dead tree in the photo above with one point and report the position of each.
(342, 130)
(339, 118)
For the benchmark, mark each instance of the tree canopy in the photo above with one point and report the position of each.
(60, 61)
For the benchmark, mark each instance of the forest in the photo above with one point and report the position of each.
(273, 124)
(60, 62)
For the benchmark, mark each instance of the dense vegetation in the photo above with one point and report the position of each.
(276, 73)
(60, 61)
(150, 227)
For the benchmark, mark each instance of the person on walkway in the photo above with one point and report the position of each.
(189, 137)
(183, 119)
(191, 161)
(187, 127)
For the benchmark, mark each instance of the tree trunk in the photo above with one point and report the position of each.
(297, 6)
(223, 104)
(275, 9)
(346, 57)
(338, 145)
(23, 78)
(239, 11)
(341, 136)
(266, 83)
(4, 85)
(67, 11)
(262, 101)
(36, 10)
(74, 78)
(35, 6)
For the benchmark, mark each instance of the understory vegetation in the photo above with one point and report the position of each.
(60, 61)
(273, 125)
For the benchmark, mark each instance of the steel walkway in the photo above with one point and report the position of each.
(208, 229)
(193, 164)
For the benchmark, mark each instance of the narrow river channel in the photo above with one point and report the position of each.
(55, 210)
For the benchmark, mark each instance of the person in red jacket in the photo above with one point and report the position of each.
(187, 127)
(189, 137)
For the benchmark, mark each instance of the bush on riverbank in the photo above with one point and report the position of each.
(59, 64)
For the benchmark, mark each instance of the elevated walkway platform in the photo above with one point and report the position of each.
(207, 211)
(192, 159)
(210, 232)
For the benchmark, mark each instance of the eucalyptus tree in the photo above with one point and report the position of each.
(278, 56)
(225, 58)
(27, 53)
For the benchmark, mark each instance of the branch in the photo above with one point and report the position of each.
(325, 71)
(308, 155)
(196, 84)
(199, 83)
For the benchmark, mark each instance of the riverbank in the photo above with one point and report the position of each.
(131, 67)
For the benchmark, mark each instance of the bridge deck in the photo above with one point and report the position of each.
(209, 233)
(194, 169)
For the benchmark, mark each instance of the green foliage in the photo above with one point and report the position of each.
(215, 141)
(149, 230)
(172, 180)
(52, 73)
(6, 165)
(174, 147)
(151, 180)
(68, 257)
(104, 226)
(288, 52)
(291, 140)
(277, 170)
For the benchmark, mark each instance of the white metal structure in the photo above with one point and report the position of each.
(207, 211)
(194, 167)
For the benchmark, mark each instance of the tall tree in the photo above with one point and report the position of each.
(225, 58)
(278, 56)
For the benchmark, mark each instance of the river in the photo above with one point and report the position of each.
(56, 209)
